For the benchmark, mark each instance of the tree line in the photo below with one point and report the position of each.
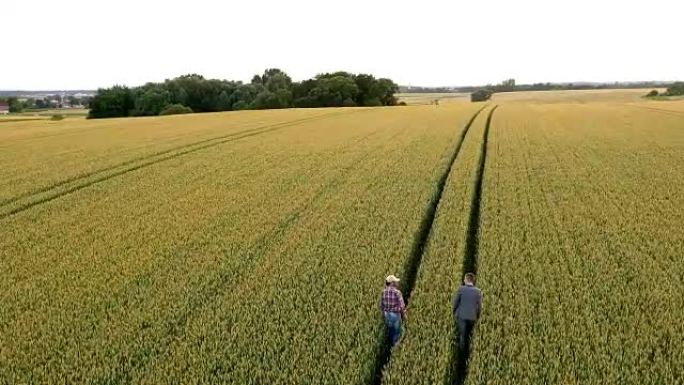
(273, 89)
(510, 85)
(676, 89)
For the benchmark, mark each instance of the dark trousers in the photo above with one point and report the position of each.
(462, 353)
(465, 331)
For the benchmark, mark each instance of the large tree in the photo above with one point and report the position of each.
(676, 89)
(112, 102)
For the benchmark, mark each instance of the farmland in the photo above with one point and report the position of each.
(429, 98)
(250, 247)
(578, 249)
(204, 265)
(44, 114)
(587, 287)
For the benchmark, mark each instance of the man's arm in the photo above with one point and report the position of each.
(402, 305)
(479, 305)
(457, 301)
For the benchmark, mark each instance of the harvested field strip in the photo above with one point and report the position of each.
(58, 190)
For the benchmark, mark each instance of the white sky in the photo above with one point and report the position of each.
(71, 44)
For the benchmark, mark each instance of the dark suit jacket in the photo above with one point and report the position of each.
(468, 303)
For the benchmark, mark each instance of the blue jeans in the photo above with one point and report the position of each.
(393, 322)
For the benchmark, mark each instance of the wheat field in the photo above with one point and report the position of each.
(250, 247)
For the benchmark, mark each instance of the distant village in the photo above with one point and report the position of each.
(21, 101)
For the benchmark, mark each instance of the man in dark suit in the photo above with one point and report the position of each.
(467, 309)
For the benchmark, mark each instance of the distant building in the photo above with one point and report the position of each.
(4, 108)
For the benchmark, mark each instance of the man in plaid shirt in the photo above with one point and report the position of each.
(393, 308)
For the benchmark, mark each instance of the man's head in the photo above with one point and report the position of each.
(391, 280)
(469, 279)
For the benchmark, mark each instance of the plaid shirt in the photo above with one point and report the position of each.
(392, 300)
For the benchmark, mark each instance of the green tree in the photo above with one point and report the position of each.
(271, 100)
(150, 101)
(225, 102)
(42, 103)
(480, 95)
(333, 91)
(365, 96)
(15, 105)
(73, 101)
(244, 96)
(301, 93)
(112, 102)
(384, 89)
(175, 109)
(275, 89)
(272, 89)
(675, 89)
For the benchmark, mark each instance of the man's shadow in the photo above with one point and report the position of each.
(458, 367)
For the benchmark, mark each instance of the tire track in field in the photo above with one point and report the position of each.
(420, 239)
(458, 368)
(258, 249)
(86, 175)
(66, 187)
(661, 110)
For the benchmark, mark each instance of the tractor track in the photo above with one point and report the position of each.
(660, 110)
(224, 280)
(458, 367)
(420, 239)
(71, 185)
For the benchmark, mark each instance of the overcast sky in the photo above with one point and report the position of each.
(71, 44)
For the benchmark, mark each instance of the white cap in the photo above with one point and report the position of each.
(391, 279)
